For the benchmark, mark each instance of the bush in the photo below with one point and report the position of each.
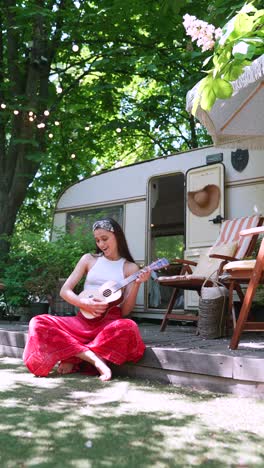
(35, 265)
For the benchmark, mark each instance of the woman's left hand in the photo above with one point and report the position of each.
(144, 275)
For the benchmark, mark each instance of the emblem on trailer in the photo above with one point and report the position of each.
(239, 159)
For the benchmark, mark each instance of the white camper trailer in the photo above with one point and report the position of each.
(150, 200)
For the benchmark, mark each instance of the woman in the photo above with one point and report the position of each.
(107, 336)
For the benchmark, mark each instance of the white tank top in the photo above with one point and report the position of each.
(104, 270)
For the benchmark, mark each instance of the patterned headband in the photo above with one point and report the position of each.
(103, 224)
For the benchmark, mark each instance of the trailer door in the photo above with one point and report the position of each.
(203, 222)
(205, 209)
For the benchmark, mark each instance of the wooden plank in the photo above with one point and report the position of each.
(197, 363)
(194, 381)
(250, 369)
(13, 338)
(180, 351)
(11, 351)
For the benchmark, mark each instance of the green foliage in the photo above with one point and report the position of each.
(35, 265)
(122, 100)
(241, 43)
(170, 247)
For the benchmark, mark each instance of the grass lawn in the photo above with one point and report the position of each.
(79, 421)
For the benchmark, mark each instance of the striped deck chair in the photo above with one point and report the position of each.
(229, 246)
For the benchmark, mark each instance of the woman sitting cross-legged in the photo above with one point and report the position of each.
(99, 334)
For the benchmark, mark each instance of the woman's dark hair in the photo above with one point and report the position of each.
(122, 246)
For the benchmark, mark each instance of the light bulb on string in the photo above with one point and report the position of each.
(32, 116)
(73, 156)
(75, 48)
(50, 135)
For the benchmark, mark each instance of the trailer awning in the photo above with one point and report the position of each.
(237, 122)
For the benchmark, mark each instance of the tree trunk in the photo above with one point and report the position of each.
(22, 142)
(13, 190)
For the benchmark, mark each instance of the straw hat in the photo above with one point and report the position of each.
(204, 201)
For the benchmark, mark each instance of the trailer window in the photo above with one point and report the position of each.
(86, 218)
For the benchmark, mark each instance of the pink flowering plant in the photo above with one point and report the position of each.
(234, 46)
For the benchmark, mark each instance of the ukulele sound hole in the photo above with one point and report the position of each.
(107, 293)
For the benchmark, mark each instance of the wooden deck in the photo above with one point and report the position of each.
(179, 357)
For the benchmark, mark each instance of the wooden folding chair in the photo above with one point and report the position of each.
(250, 272)
(190, 279)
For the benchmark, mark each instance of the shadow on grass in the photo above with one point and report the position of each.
(45, 438)
(77, 421)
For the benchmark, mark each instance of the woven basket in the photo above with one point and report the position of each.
(212, 312)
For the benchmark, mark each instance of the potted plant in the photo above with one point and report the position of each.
(40, 286)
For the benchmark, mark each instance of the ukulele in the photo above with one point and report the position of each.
(111, 292)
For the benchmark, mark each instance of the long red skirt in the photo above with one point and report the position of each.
(52, 339)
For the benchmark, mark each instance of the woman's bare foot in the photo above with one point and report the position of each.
(65, 368)
(103, 369)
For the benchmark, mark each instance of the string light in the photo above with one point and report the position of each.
(39, 119)
(118, 130)
(75, 48)
(59, 89)
(32, 117)
(73, 155)
(87, 128)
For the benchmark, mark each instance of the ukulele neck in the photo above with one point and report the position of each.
(128, 280)
(153, 266)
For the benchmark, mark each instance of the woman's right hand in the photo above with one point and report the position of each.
(94, 306)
